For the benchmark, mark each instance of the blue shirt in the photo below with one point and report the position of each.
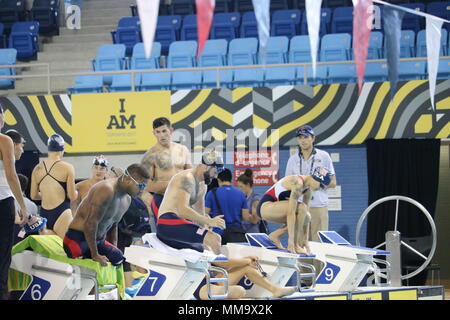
(248, 226)
(232, 201)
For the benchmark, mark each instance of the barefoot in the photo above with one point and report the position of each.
(276, 241)
(308, 250)
(284, 291)
(300, 250)
(291, 248)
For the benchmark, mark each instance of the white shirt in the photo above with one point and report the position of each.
(5, 190)
(318, 158)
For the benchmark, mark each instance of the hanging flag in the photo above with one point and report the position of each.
(392, 33)
(262, 13)
(362, 24)
(205, 13)
(433, 35)
(313, 16)
(148, 16)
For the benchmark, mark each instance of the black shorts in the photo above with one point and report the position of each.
(76, 246)
(179, 233)
(52, 215)
(265, 198)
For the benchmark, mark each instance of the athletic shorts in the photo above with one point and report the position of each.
(156, 203)
(265, 198)
(179, 233)
(76, 246)
(52, 215)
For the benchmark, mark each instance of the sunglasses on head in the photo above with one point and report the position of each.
(141, 186)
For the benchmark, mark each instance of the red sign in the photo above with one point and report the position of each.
(261, 158)
(261, 177)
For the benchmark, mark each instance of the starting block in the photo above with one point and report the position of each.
(279, 265)
(173, 274)
(344, 265)
(46, 273)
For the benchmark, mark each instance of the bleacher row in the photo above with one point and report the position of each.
(288, 23)
(45, 12)
(237, 52)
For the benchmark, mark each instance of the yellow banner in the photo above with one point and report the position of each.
(116, 122)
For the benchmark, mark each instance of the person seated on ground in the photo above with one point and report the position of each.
(237, 269)
(182, 223)
(283, 203)
(230, 202)
(93, 231)
(53, 182)
(99, 173)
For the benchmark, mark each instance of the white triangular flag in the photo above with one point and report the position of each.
(433, 35)
(148, 14)
(313, 16)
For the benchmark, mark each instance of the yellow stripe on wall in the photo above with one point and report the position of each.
(393, 106)
(191, 107)
(239, 93)
(320, 107)
(215, 111)
(361, 136)
(58, 116)
(445, 132)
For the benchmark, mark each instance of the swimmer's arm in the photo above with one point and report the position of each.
(75, 203)
(111, 236)
(147, 199)
(96, 211)
(148, 161)
(34, 192)
(184, 209)
(307, 197)
(72, 193)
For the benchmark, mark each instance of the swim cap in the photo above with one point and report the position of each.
(323, 176)
(213, 159)
(100, 161)
(55, 143)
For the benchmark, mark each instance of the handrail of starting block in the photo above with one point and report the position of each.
(210, 280)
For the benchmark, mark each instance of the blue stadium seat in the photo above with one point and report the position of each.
(243, 5)
(300, 49)
(138, 60)
(279, 76)
(341, 73)
(128, 32)
(182, 7)
(87, 84)
(276, 51)
(167, 31)
(321, 75)
(222, 6)
(213, 55)
(376, 72)
(110, 57)
(444, 69)
(25, 39)
(286, 23)
(279, 5)
(342, 20)
(325, 22)
(375, 50)
(46, 12)
(11, 11)
(189, 28)
(122, 82)
(440, 9)
(407, 44)
(249, 28)
(253, 77)
(7, 57)
(335, 47)
(411, 70)
(421, 46)
(225, 25)
(156, 81)
(2, 36)
(182, 54)
(242, 51)
(183, 80)
(412, 21)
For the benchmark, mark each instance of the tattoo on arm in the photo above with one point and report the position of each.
(187, 185)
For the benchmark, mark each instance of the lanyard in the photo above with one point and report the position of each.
(301, 162)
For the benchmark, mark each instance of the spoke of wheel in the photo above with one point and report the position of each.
(380, 245)
(396, 214)
(414, 250)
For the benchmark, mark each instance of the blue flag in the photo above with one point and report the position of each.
(392, 33)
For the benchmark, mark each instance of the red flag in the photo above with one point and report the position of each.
(205, 13)
(362, 24)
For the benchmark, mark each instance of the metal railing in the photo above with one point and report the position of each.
(49, 75)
